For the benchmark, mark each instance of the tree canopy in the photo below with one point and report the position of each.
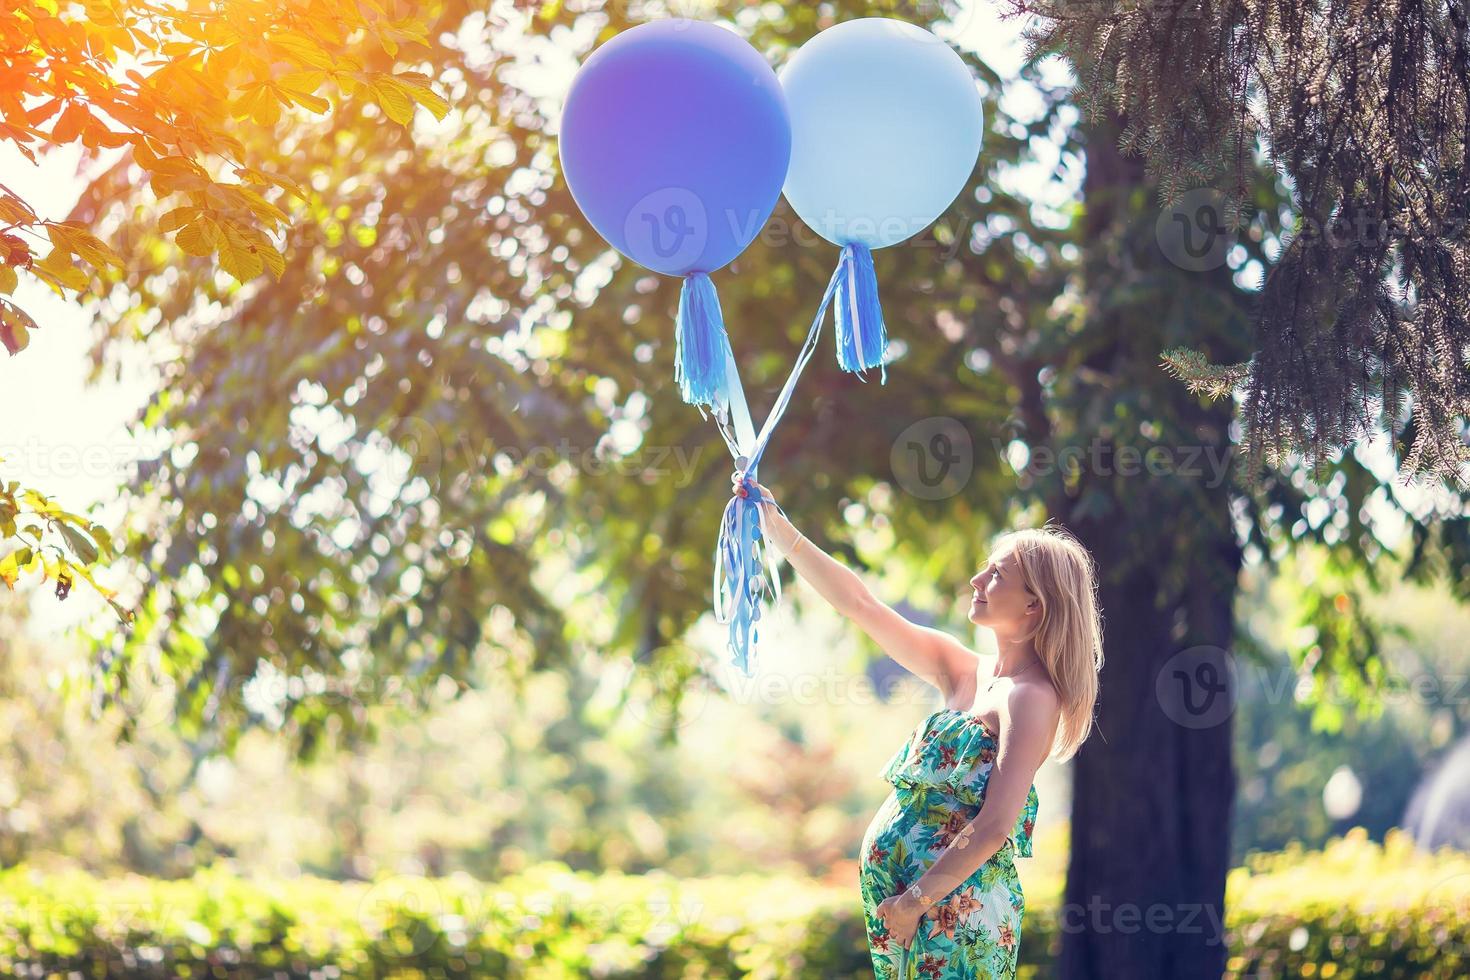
(172, 85)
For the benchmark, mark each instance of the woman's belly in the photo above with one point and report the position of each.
(982, 915)
(924, 821)
(883, 830)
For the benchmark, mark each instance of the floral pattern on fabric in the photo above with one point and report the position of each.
(939, 777)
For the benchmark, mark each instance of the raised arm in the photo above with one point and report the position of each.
(928, 653)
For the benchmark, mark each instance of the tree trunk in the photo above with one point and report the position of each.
(1154, 786)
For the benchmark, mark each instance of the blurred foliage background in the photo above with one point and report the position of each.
(497, 779)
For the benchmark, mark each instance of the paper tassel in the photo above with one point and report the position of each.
(701, 346)
(862, 340)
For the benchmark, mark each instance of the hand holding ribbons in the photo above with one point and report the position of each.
(745, 568)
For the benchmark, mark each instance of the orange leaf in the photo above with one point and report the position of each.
(69, 126)
(43, 112)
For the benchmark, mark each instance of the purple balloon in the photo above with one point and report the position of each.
(675, 141)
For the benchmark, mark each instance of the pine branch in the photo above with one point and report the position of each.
(1365, 108)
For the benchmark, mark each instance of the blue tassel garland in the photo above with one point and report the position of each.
(745, 567)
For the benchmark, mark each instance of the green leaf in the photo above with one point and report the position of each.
(81, 545)
(103, 537)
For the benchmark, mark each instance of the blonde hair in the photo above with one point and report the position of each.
(1059, 571)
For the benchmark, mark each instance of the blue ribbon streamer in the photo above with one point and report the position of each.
(745, 568)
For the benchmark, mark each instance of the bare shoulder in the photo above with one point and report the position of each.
(1034, 707)
(1036, 694)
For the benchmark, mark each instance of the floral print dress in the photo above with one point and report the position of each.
(939, 777)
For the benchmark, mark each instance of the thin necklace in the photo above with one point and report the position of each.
(1016, 674)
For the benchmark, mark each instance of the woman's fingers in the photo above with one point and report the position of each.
(760, 487)
(761, 496)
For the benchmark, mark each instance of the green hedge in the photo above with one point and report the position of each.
(1354, 909)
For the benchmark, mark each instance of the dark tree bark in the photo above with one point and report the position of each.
(1155, 785)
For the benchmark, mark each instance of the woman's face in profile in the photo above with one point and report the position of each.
(1000, 596)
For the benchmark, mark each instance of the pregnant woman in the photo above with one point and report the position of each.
(941, 896)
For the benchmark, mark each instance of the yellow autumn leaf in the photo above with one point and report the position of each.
(267, 108)
(14, 211)
(313, 102)
(414, 86)
(273, 259)
(85, 244)
(253, 202)
(266, 177)
(429, 99)
(302, 82)
(396, 104)
(59, 270)
(10, 570)
(250, 99)
(237, 256)
(268, 253)
(8, 279)
(58, 238)
(300, 49)
(177, 218)
(196, 238)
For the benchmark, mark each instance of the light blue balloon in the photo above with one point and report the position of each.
(886, 125)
